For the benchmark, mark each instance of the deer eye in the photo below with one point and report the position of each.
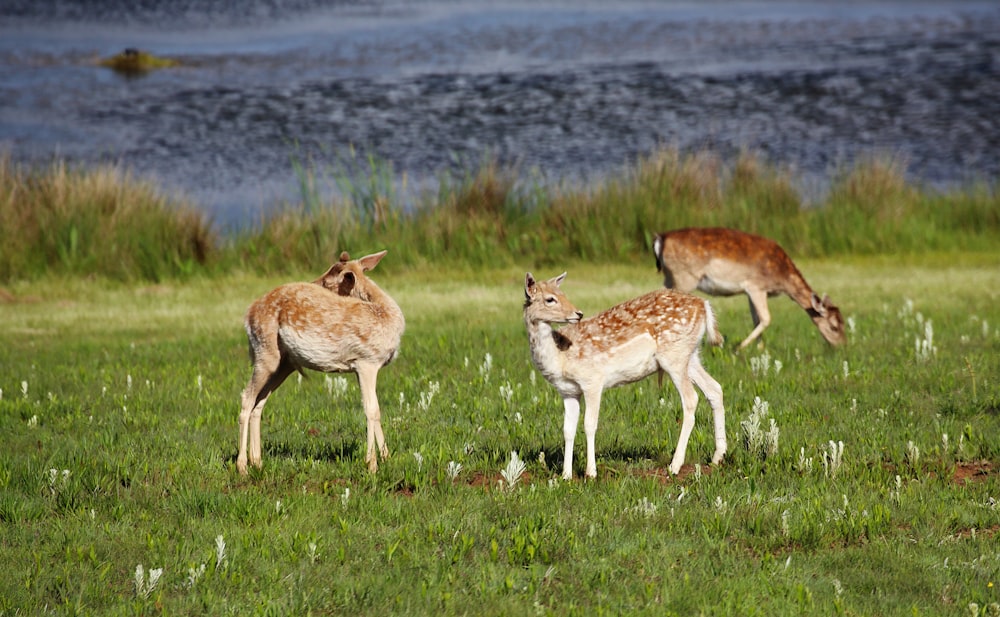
(550, 300)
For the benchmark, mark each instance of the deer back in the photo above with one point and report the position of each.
(723, 261)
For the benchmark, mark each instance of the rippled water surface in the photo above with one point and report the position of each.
(572, 89)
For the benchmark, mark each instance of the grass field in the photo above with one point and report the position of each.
(119, 494)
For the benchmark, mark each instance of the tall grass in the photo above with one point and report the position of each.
(104, 222)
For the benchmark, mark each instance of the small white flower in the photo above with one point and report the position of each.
(512, 473)
(144, 587)
(453, 470)
(220, 551)
(486, 367)
(645, 508)
(428, 396)
(833, 458)
(506, 392)
(194, 574)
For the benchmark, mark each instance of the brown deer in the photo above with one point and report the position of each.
(342, 322)
(660, 331)
(726, 262)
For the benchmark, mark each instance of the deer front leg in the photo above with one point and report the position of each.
(760, 314)
(713, 392)
(689, 401)
(592, 398)
(367, 378)
(241, 458)
(571, 418)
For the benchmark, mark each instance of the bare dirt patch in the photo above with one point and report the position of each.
(977, 471)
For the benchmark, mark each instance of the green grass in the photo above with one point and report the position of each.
(130, 393)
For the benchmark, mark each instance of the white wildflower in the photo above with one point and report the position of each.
(833, 458)
(194, 574)
(512, 473)
(759, 442)
(220, 551)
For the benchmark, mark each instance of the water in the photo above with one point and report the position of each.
(573, 90)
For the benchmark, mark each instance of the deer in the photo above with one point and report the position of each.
(725, 262)
(340, 323)
(660, 331)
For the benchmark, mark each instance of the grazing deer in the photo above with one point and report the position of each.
(342, 322)
(726, 262)
(660, 331)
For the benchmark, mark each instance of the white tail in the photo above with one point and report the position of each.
(660, 331)
(342, 322)
(726, 262)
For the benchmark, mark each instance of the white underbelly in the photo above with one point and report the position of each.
(316, 352)
(627, 362)
(718, 287)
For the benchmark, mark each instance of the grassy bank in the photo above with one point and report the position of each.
(104, 222)
(119, 407)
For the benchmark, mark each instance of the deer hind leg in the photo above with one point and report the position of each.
(571, 417)
(713, 392)
(375, 446)
(678, 371)
(759, 313)
(592, 399)
(266, 378)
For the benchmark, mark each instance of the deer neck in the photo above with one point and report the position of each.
(800, 291)
(374, 295)
(548, 346)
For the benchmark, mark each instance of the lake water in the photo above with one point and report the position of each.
(573, 90)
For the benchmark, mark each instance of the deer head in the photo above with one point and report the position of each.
(828, 319)
(545, 302)
(346, 277)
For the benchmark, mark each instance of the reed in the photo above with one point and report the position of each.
(104, 222)
(63, 220)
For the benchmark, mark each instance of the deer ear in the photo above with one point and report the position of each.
(347, 284)
(529, 281)
(370, 261)
(818, 305)
(559, 279)
(329, 278)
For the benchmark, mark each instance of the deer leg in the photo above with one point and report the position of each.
(367, 378)
(592, 398)
(713, 392)
(689, 401)
(571, 418)
(761, 316)
(263, 382)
